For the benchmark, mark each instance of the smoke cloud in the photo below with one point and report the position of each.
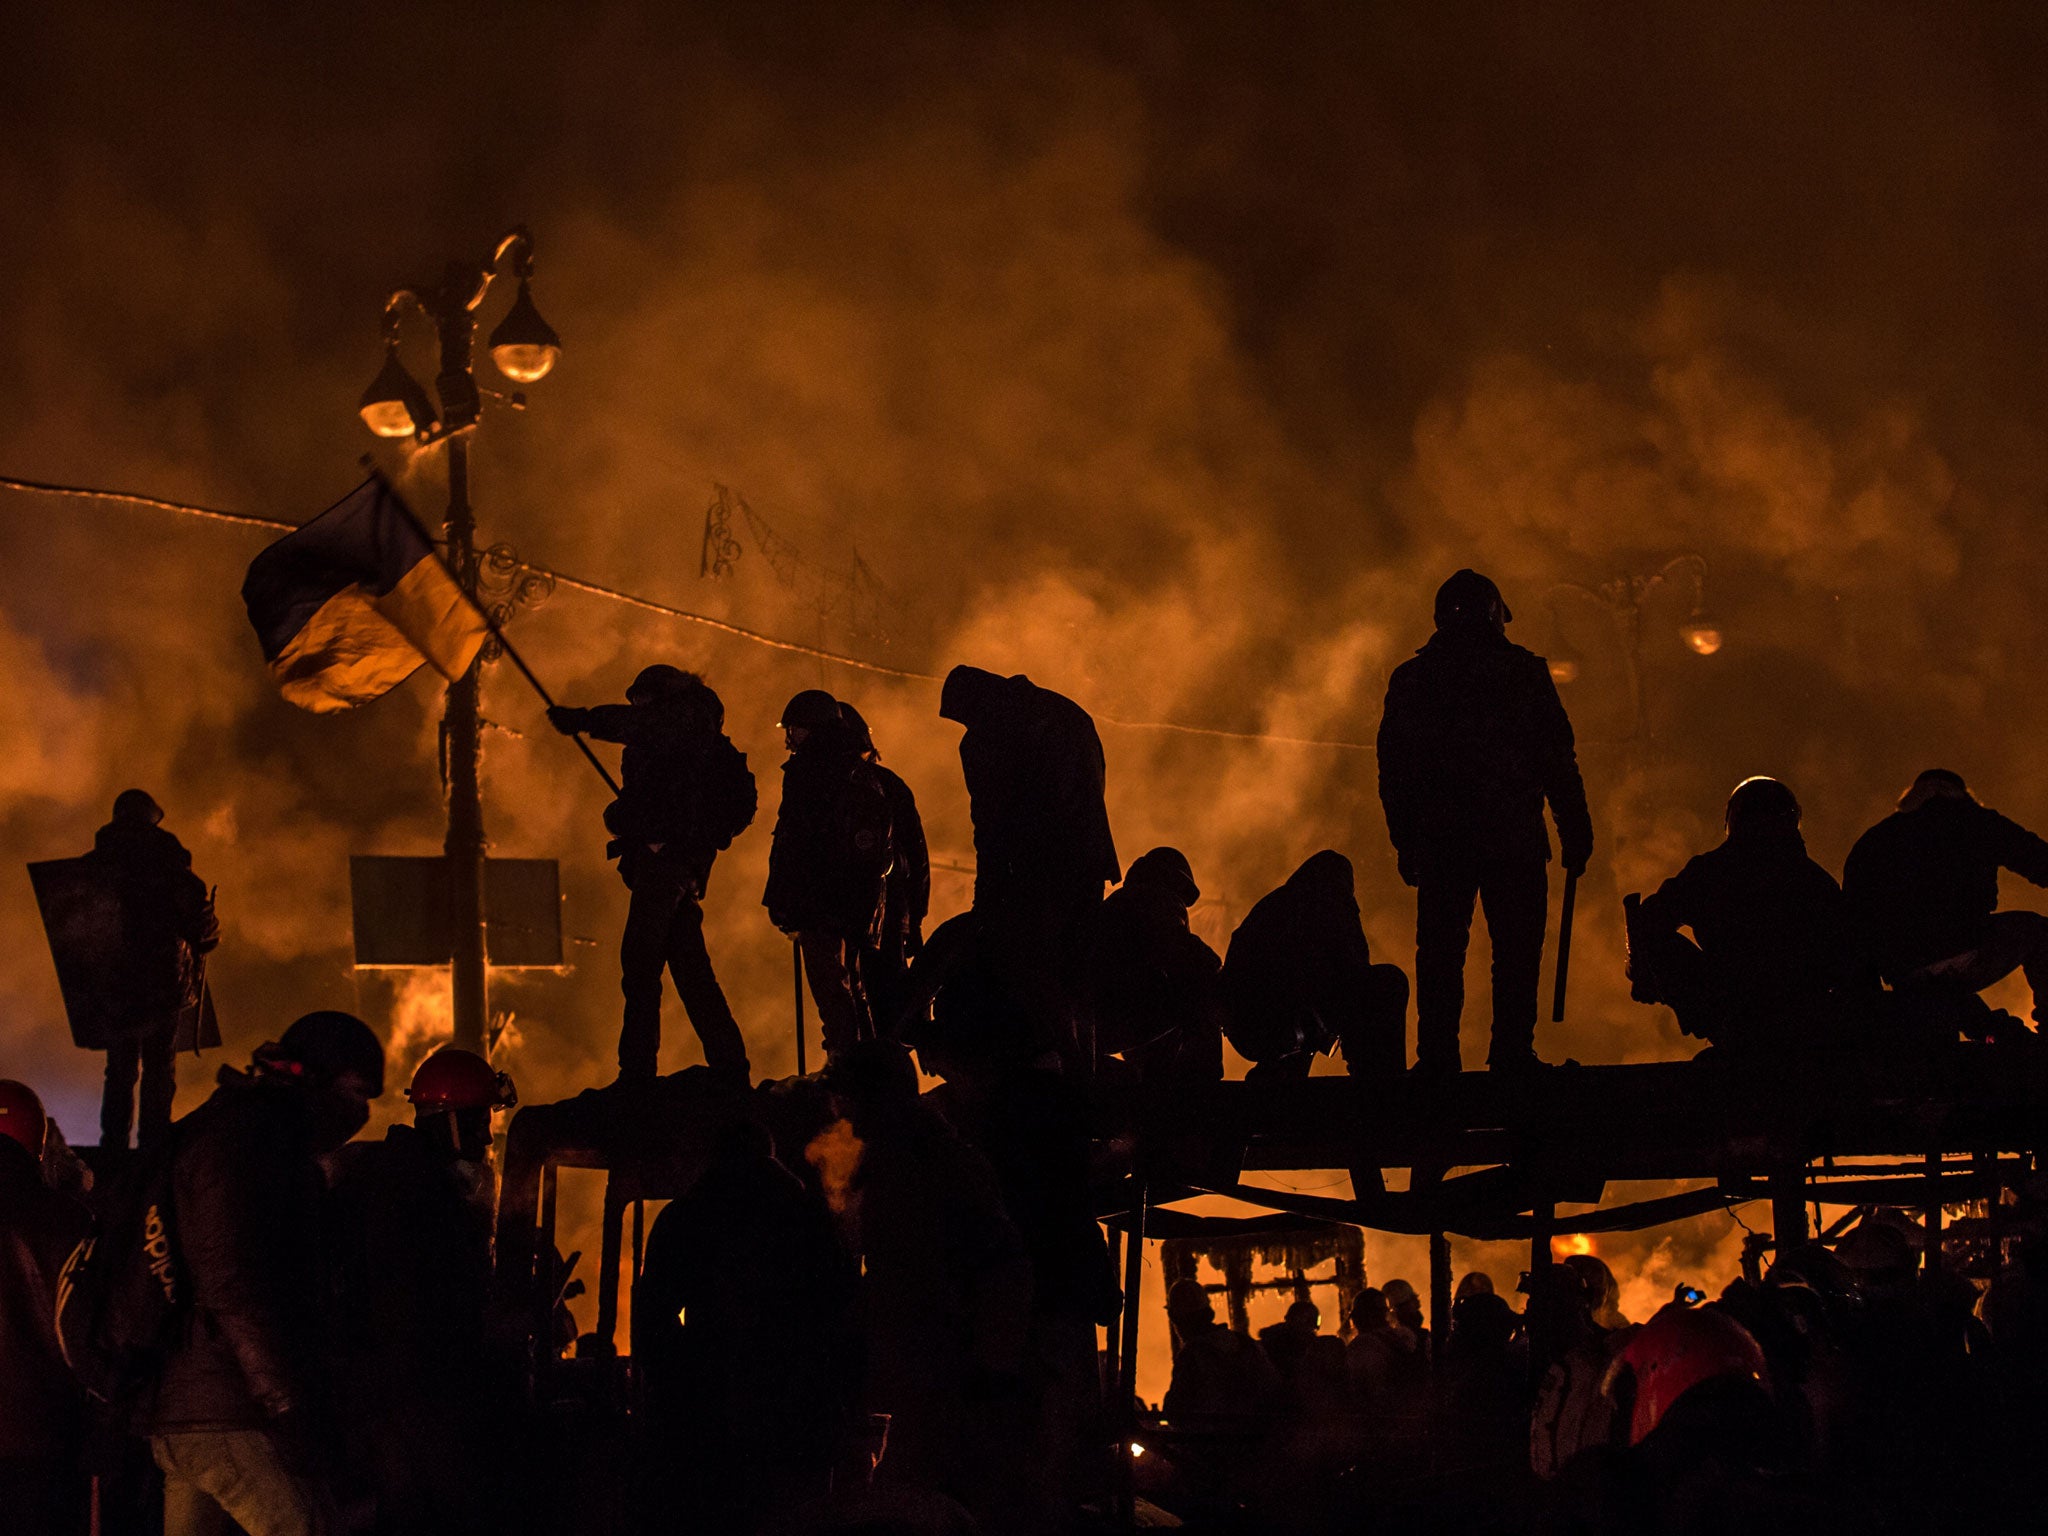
(1171, 356)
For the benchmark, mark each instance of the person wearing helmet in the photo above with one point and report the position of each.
(43, 1491)
(906, 890)
(1473, 742)
(686, 793)
(1153, 985)
(829, 862)
(1923, 886)
(242, 1404)
(413, 1218)
(1043, 850)
(1299, 979)
(168, 926)
(1771, 962)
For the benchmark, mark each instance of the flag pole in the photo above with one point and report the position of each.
(511, 652)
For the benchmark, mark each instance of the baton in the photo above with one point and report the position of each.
(1564, 945)
(796, 965)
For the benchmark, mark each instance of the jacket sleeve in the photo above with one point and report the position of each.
(1673, 905)
(609, 722)
(2019, 850)
(1559, 764)
(1400, 772)
(240, 1218)
(912, 853)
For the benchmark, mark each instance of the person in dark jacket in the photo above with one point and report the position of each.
(1771, 958)
(414, 1214)
(830, 861)
(43, 1488)
(1154, 986)
(1299, 979)
(744, 1329)
(686, 793)
(1042, 845)
(906, 892)
(168, 926)
(243, 1402)
(1923, 885)
(1474, 740)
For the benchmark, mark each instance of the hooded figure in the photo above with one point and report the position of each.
(1770, 955)
(168, 926)
(686, 793)
(1042, 844)
(1473, 742)
(1923, 886)
(1299, 979)
(1154, 986)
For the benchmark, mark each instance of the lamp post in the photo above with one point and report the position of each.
(1624, 598)
(524, 348)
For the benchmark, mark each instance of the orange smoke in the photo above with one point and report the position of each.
(836, 1152)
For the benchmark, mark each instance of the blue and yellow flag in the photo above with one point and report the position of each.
(351, 604)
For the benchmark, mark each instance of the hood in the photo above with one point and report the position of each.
(971, 695)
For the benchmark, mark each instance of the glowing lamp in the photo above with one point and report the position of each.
(524, 346)
(1702, 634)
(394, 405)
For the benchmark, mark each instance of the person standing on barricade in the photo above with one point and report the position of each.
(687, 794)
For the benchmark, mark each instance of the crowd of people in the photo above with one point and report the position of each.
(876, 1308)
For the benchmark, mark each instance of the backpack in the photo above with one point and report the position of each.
(726, 796)
(124, 1290)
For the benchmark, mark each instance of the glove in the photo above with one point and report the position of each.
(564, 719)
(1410, 875)
(1575, 861)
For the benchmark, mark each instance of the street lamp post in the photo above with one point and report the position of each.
(524, 347)
(1624, 598)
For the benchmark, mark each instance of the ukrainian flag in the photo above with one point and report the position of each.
(350, 605)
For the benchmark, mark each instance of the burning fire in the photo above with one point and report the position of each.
(1567, 1247)
(835, 1152)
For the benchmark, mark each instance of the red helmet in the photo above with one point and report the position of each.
(456, 1079)
(21, 1115)
(1677, 1350)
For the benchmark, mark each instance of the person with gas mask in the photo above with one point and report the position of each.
(686, 793)
(414, 1214)
(241, 1420)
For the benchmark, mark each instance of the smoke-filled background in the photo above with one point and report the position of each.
(1170, 354)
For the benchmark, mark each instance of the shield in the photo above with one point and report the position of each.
(83, 920)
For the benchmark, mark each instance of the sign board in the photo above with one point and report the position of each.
(399, 908)
(81, 910)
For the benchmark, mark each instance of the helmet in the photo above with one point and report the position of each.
(458, 1079)
(1677, 1350)
(137, 805)
(1761, 803)
(1166, 868)
(659, 681)
(21, 1115)
(1469, 600)
(812, 710)
(330, 1043)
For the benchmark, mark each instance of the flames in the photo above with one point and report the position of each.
(836, 1153)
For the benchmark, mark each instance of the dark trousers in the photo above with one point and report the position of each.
(1516, 900)
(154, 1057)
(1370, 1028)
(2011, 941)
(829, 963)
(665, 931)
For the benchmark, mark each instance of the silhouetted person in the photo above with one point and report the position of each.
(414, 1214)
(1473, 742)
(241, 1420)
(1487, 1372)
(906, 891)
(685, 794)
(743, 1327)
(1298, 978)
(1924, 885)
(1406, 1306)
(1042, 845)
(1216, 1371)
(1380, 1358)
(1154, 986)
(1771, 954)
(830, 859)
(43, 1488)
(168, 926)
(1310, 1362)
